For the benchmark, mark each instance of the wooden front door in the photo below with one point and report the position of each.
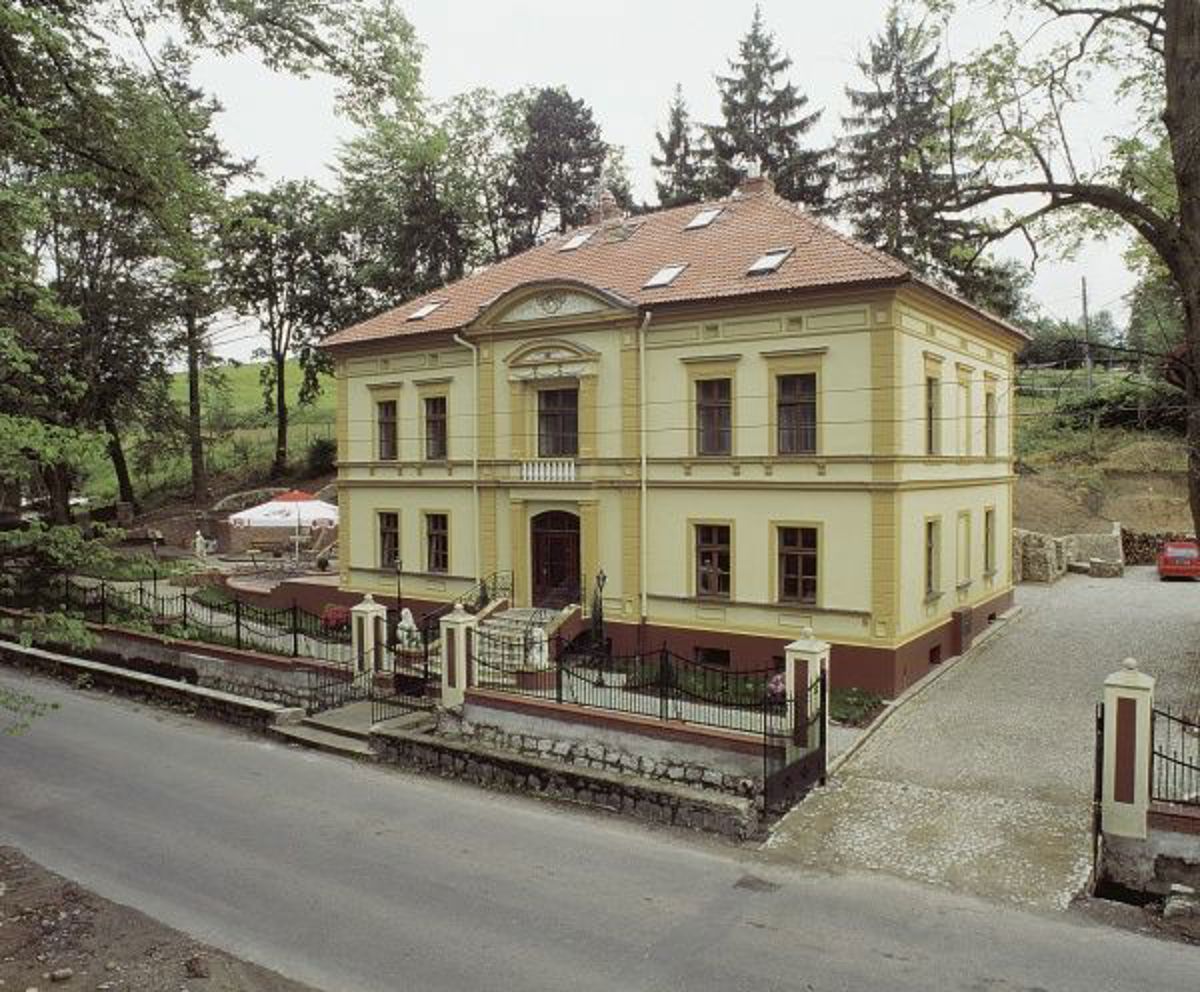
(555, 553)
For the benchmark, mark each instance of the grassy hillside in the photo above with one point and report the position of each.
(240, 437)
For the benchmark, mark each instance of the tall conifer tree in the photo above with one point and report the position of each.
(765, 123)
(679, 164)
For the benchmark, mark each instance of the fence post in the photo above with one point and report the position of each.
(295, 631)
(458, 629)
(184, 597)
(103, 604)
(154, 581)
(558, 653)
(807, 662)
(364, 632)
(237, 622)
(664, 675)
(141, 593)
(1128, 745)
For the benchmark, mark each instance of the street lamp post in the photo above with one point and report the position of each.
(399, 603)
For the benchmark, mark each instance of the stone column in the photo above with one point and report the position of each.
(1125, 791)
(458, 636)
(366, 620)
(805, 659)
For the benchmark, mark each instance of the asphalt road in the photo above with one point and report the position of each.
(354, 877)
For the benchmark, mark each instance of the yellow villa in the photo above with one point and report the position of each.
(740, 421)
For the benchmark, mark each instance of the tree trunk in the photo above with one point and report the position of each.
(117, 453)
(195, 437)
(57, 479)
(279, 465)
(1182, 117)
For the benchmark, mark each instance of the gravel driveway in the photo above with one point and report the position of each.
(983, 782)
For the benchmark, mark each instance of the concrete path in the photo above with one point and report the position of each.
(356, 878)
(983, 782)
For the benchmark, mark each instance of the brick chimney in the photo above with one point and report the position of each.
(756, 182)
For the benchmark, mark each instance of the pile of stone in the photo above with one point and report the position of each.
(1046, 558)
(1142, 548)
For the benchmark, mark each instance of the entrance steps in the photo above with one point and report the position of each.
(346, 730)
(501, 643)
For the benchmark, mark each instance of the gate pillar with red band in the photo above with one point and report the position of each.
(805, 659)
(1128, 731)
(368, 633)
(458, 630)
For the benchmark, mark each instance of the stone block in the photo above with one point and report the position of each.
(1100, 568)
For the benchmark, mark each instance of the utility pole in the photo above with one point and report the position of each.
(1087, 361)
(1087, 337)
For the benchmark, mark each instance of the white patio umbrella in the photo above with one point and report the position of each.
(295, 510)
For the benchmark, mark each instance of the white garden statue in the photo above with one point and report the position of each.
(407, 634)
(200, 547)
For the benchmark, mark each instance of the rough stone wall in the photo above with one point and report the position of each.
(1085, 547)
(600, 755)
(653, 802)
(1142, 548)
(1043, 558)
(1152, 865)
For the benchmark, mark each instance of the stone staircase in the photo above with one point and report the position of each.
(346, 730)
(500, 644)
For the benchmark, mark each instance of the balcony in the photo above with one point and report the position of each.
(548, 470)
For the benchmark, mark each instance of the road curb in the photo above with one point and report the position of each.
(1001, 624)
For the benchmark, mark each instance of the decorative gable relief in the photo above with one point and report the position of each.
(552, 304)
(551, 360)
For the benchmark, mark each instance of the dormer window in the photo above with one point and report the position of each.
(577, 241)
(703, 219)
(664, 276)
(424, 311)
(768, 262)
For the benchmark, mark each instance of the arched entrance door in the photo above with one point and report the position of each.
(555, 554)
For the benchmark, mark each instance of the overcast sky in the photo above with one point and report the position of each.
(624, 58)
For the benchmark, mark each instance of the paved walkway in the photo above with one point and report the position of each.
(983, 782)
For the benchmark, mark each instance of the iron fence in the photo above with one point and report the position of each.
(795, 746)
(659, 684)
(185, 615)
(1175, 758)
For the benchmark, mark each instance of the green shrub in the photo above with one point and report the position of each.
(322, 457)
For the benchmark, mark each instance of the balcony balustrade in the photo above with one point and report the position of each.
(548, 470)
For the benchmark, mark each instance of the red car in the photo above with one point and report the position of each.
(1179, 560)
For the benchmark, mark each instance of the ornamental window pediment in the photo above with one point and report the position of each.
(552, 304)
(552, 360)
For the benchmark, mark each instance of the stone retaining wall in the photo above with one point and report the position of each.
(621, 753)
(653, 802)
(1142, 548)
(197, 700)
(1046, 558)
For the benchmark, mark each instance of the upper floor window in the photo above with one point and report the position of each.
(965, 413)
(435, 427)
(713, 570)
(933, 414)
(437, 542)
(558, 423)
(796, 400)
(714, 416)
(389, 539)
(989, 422)
(385, 418)
(798, 564)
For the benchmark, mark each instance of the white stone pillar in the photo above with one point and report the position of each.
(805, 659)
(458, 637)
(367, 619)
(1128, 732)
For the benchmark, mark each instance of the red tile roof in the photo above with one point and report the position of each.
(620, 257)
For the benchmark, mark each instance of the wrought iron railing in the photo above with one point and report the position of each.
(1175, 758)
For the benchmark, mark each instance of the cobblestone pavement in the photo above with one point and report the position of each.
(982, 783)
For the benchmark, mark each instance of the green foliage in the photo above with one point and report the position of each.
(764, 120)
(854, 707)
(322, 457)
(1128, 403)
(680, 162)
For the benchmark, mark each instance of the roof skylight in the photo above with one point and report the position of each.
(424, 311)
(578, 241)
(703, 218)
(768, 261)
(664, 276)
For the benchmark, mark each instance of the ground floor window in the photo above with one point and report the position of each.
(798, 564)
(389, 539)
(989, 540)
(933, 552)
(713, 568)
(712, 657)
(437, 542)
